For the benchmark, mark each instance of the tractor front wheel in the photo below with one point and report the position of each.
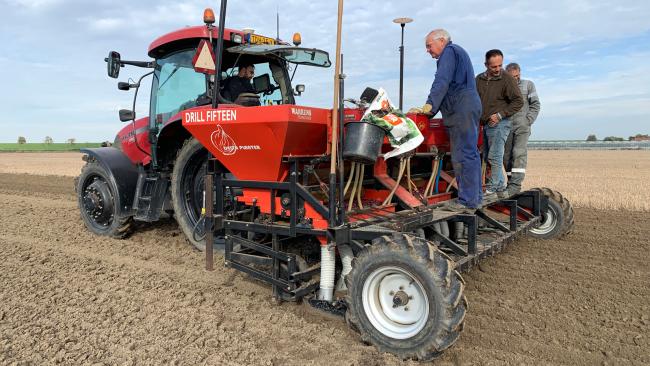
(96, 196)
(404, 297)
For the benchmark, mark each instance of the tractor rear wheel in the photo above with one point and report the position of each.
(558, 219)
(96, 196)
(404, 297)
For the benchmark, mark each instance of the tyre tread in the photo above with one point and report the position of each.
(444, 276)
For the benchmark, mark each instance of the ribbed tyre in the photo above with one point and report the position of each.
(558, 220)
(187, 186)
(404, 297)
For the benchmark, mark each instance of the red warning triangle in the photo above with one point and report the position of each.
(204, 60)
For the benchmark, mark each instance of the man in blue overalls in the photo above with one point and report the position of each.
(454, 93)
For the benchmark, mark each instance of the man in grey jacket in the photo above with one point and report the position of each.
(515, 157)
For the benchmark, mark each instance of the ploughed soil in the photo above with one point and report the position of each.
(67, 296)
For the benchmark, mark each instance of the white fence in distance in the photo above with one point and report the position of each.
(589, 145)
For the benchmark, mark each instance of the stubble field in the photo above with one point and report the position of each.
(67, 296)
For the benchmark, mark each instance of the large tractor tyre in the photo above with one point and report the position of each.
(404, 297)
(187, 186)
(96, 196)
(558, 220)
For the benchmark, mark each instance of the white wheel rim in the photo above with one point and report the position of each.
(550, 220)
(380, 290)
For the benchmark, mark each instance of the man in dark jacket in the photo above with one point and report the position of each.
(240, 83)
(454, 93)
(501, 99)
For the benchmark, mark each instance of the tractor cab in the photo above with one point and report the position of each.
(178, 85)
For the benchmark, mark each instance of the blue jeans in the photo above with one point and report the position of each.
(495, 143)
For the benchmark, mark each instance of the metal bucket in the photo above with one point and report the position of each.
(362, 142)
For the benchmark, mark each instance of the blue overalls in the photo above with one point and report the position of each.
(454, 93)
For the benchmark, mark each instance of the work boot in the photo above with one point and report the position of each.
(514, 183)
(503, 194)
(455, 206)
(513, 190)
(489, 197)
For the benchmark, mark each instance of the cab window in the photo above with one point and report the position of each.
(279, 91)
(176, 86)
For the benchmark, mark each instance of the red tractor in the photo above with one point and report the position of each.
(362, 236)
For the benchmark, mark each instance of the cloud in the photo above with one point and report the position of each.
(34, 4)
(561, 44)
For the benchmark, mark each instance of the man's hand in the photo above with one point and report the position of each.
(426, 109)
(494, 120)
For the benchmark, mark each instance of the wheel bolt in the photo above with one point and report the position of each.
(406, 308)
(410, 297)
(401, 288)
(392, 293)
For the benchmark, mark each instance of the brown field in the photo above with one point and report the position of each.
(611, 180)
(67, 296)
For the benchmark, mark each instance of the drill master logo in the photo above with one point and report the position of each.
(226, 145)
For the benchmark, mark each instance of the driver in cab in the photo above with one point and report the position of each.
(240, 83)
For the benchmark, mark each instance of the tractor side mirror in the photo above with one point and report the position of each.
(123, 86)
(262, 83)
(127, 115)
(113, 64)
(300, 88)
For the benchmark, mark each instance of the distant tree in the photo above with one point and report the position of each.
(592, 138)
(48, 140)
(107, 144)
(71, 141)
(22, 140)
(613, 138)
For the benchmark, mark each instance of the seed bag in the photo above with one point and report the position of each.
(403, 134)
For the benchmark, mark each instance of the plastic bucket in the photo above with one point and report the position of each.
(362, 142)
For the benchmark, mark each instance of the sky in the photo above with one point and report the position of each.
(590, 60)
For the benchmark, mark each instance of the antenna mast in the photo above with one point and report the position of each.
(277, 22)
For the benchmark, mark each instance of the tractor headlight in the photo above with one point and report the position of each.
(237, 38)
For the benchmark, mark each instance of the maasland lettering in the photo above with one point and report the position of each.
(211, 115)
(301, 112)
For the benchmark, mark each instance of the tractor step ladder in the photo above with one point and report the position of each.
(149, 197)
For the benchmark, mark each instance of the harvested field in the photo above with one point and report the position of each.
(610, 180)
(69, 296)
(53, 163)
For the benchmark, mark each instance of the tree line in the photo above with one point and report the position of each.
(637, 137)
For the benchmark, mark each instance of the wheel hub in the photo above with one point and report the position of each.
(548, 223)
(400, 299)
(395, 302)
(98, 202)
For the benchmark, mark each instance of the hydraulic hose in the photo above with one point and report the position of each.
(402, 166)
(438, 176)
(354, 188)
(434, 173)
(352, 170)
(360, 186)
